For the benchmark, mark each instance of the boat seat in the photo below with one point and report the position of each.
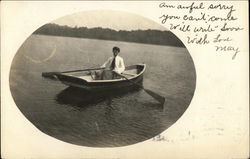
(87, 78)
(128, 73)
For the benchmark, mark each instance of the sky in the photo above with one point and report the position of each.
(109, 19)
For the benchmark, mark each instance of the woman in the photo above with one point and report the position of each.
(112, 66)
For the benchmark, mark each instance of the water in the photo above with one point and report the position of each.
(107, 119)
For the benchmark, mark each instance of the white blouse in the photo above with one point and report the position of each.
(119, 64)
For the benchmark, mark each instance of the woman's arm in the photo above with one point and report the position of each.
(106, 63)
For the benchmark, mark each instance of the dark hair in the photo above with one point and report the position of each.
(116, 48)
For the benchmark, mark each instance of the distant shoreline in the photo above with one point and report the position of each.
(155, 37)
(107, 40)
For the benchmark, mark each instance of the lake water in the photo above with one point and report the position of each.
(100, 120)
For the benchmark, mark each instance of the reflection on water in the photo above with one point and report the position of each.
(80, 99)
(113, 118)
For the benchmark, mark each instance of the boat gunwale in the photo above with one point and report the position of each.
(113, 80)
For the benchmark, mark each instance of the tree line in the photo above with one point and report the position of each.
(140, 36)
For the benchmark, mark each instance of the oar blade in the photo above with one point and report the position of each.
(156, 96)
(51, 75)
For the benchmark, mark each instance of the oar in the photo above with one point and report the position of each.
(52, 74)
(156, 96)
(89, 69)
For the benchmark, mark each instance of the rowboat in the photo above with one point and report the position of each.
(131, 78)
(133, 75)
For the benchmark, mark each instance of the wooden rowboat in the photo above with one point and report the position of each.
(84, 79)
(132, 77)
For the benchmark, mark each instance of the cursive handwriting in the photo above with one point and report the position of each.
(166, 17)
(219, 39)
(191, 7)
(233, 49)
(198, 40)
(160, 138)
(226, 28)
(182, 27)
(209, 28)
(201, 19)
(164, 5)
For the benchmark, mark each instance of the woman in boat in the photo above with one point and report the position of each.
(112, 66)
